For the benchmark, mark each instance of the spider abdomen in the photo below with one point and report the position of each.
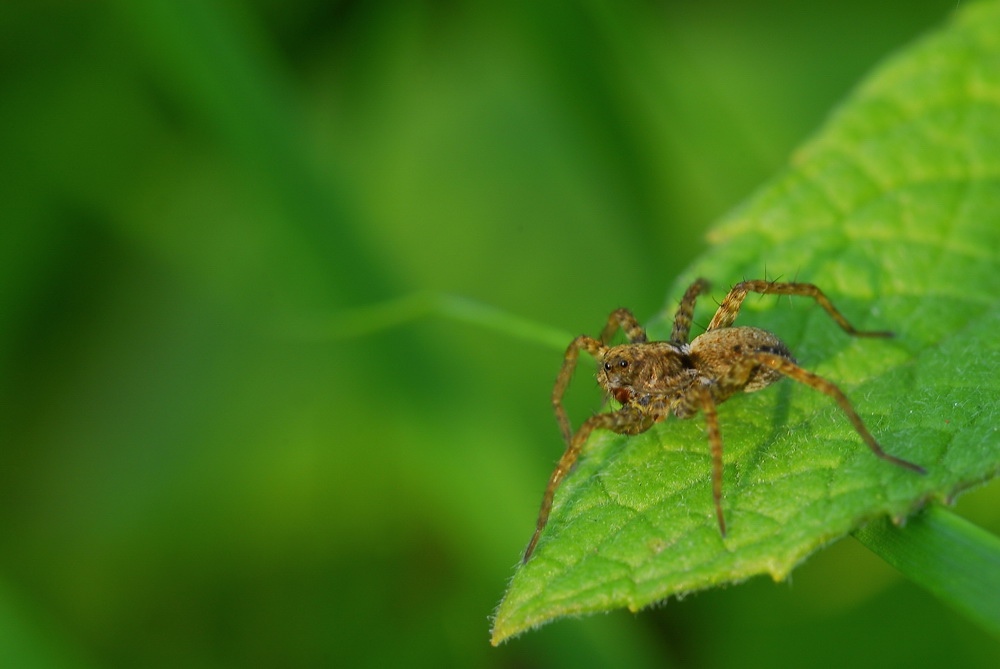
(723, 353)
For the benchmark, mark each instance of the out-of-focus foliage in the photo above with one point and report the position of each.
(193, 472)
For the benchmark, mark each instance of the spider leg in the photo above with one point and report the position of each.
(623, 318)
(619, 318)
(620, 421)
(685, 312)
(623, 421)
(793, 371)
(591, 346)
(715, 445)
(730, 306)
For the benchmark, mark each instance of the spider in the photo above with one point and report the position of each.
(652, 379)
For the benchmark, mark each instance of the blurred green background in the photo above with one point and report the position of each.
(196, 471)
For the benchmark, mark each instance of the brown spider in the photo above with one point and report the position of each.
(652, 379)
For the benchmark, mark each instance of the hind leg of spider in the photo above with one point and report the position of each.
(816, 382)
(730, 306)
(623, 421)
(715, 446)
(685, 311)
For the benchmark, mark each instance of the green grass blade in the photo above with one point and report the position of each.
(946, 554)
(367, 320)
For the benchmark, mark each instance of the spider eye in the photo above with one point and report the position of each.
(607, 366)
(623, 363)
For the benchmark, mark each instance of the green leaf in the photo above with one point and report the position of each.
(894, 211)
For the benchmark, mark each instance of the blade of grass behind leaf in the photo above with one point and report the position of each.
(946, 554)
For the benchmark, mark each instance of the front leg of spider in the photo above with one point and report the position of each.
(620, 318)
(642, 399)
(625, 420)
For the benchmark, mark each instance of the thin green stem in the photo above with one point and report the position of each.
(946, 554)
(374, 318)
(476, 313)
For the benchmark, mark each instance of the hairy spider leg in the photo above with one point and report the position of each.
(623, 421)
(715, 446)
(591, 346)
(619, 318)
(619, 421)
(736, 378)
(623, 318)
(685, 312)
(816, 382)
(730, 306)
(708, 398)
